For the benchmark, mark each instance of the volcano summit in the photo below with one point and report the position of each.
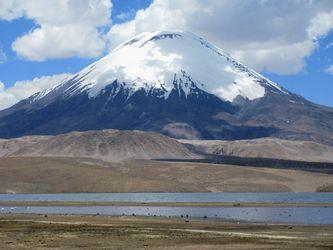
(175, 83)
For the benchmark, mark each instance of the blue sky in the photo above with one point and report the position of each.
(313, 83)
(299, 63)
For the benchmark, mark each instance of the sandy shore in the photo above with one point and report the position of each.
(105, 232)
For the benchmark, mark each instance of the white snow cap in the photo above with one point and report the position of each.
(155, 60)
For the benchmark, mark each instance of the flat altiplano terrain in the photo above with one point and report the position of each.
(105, 232)
(57, 175)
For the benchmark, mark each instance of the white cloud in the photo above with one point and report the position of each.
(6, 99)
(23, 89)
(329, 69)
(273, 35)
(122, 16)
(66, 28)
(266, 35)
(10, 9)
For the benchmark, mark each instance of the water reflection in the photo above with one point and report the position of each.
(303, 215)
(176, 197)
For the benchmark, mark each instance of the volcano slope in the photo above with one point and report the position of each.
(174, 83)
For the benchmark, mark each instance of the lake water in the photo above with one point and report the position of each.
(176, 197)
(301, 215)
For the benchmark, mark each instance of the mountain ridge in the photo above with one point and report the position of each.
(107, 145)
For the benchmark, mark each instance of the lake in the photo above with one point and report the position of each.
(298, 215)
(295, 215)
(176, 197)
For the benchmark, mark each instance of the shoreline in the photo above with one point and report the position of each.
(162, 204)
(129, 232)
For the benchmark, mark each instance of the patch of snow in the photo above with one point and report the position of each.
(39, 95)
(159, 60)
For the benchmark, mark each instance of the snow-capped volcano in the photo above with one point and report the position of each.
(175, 83)
(159, 60)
